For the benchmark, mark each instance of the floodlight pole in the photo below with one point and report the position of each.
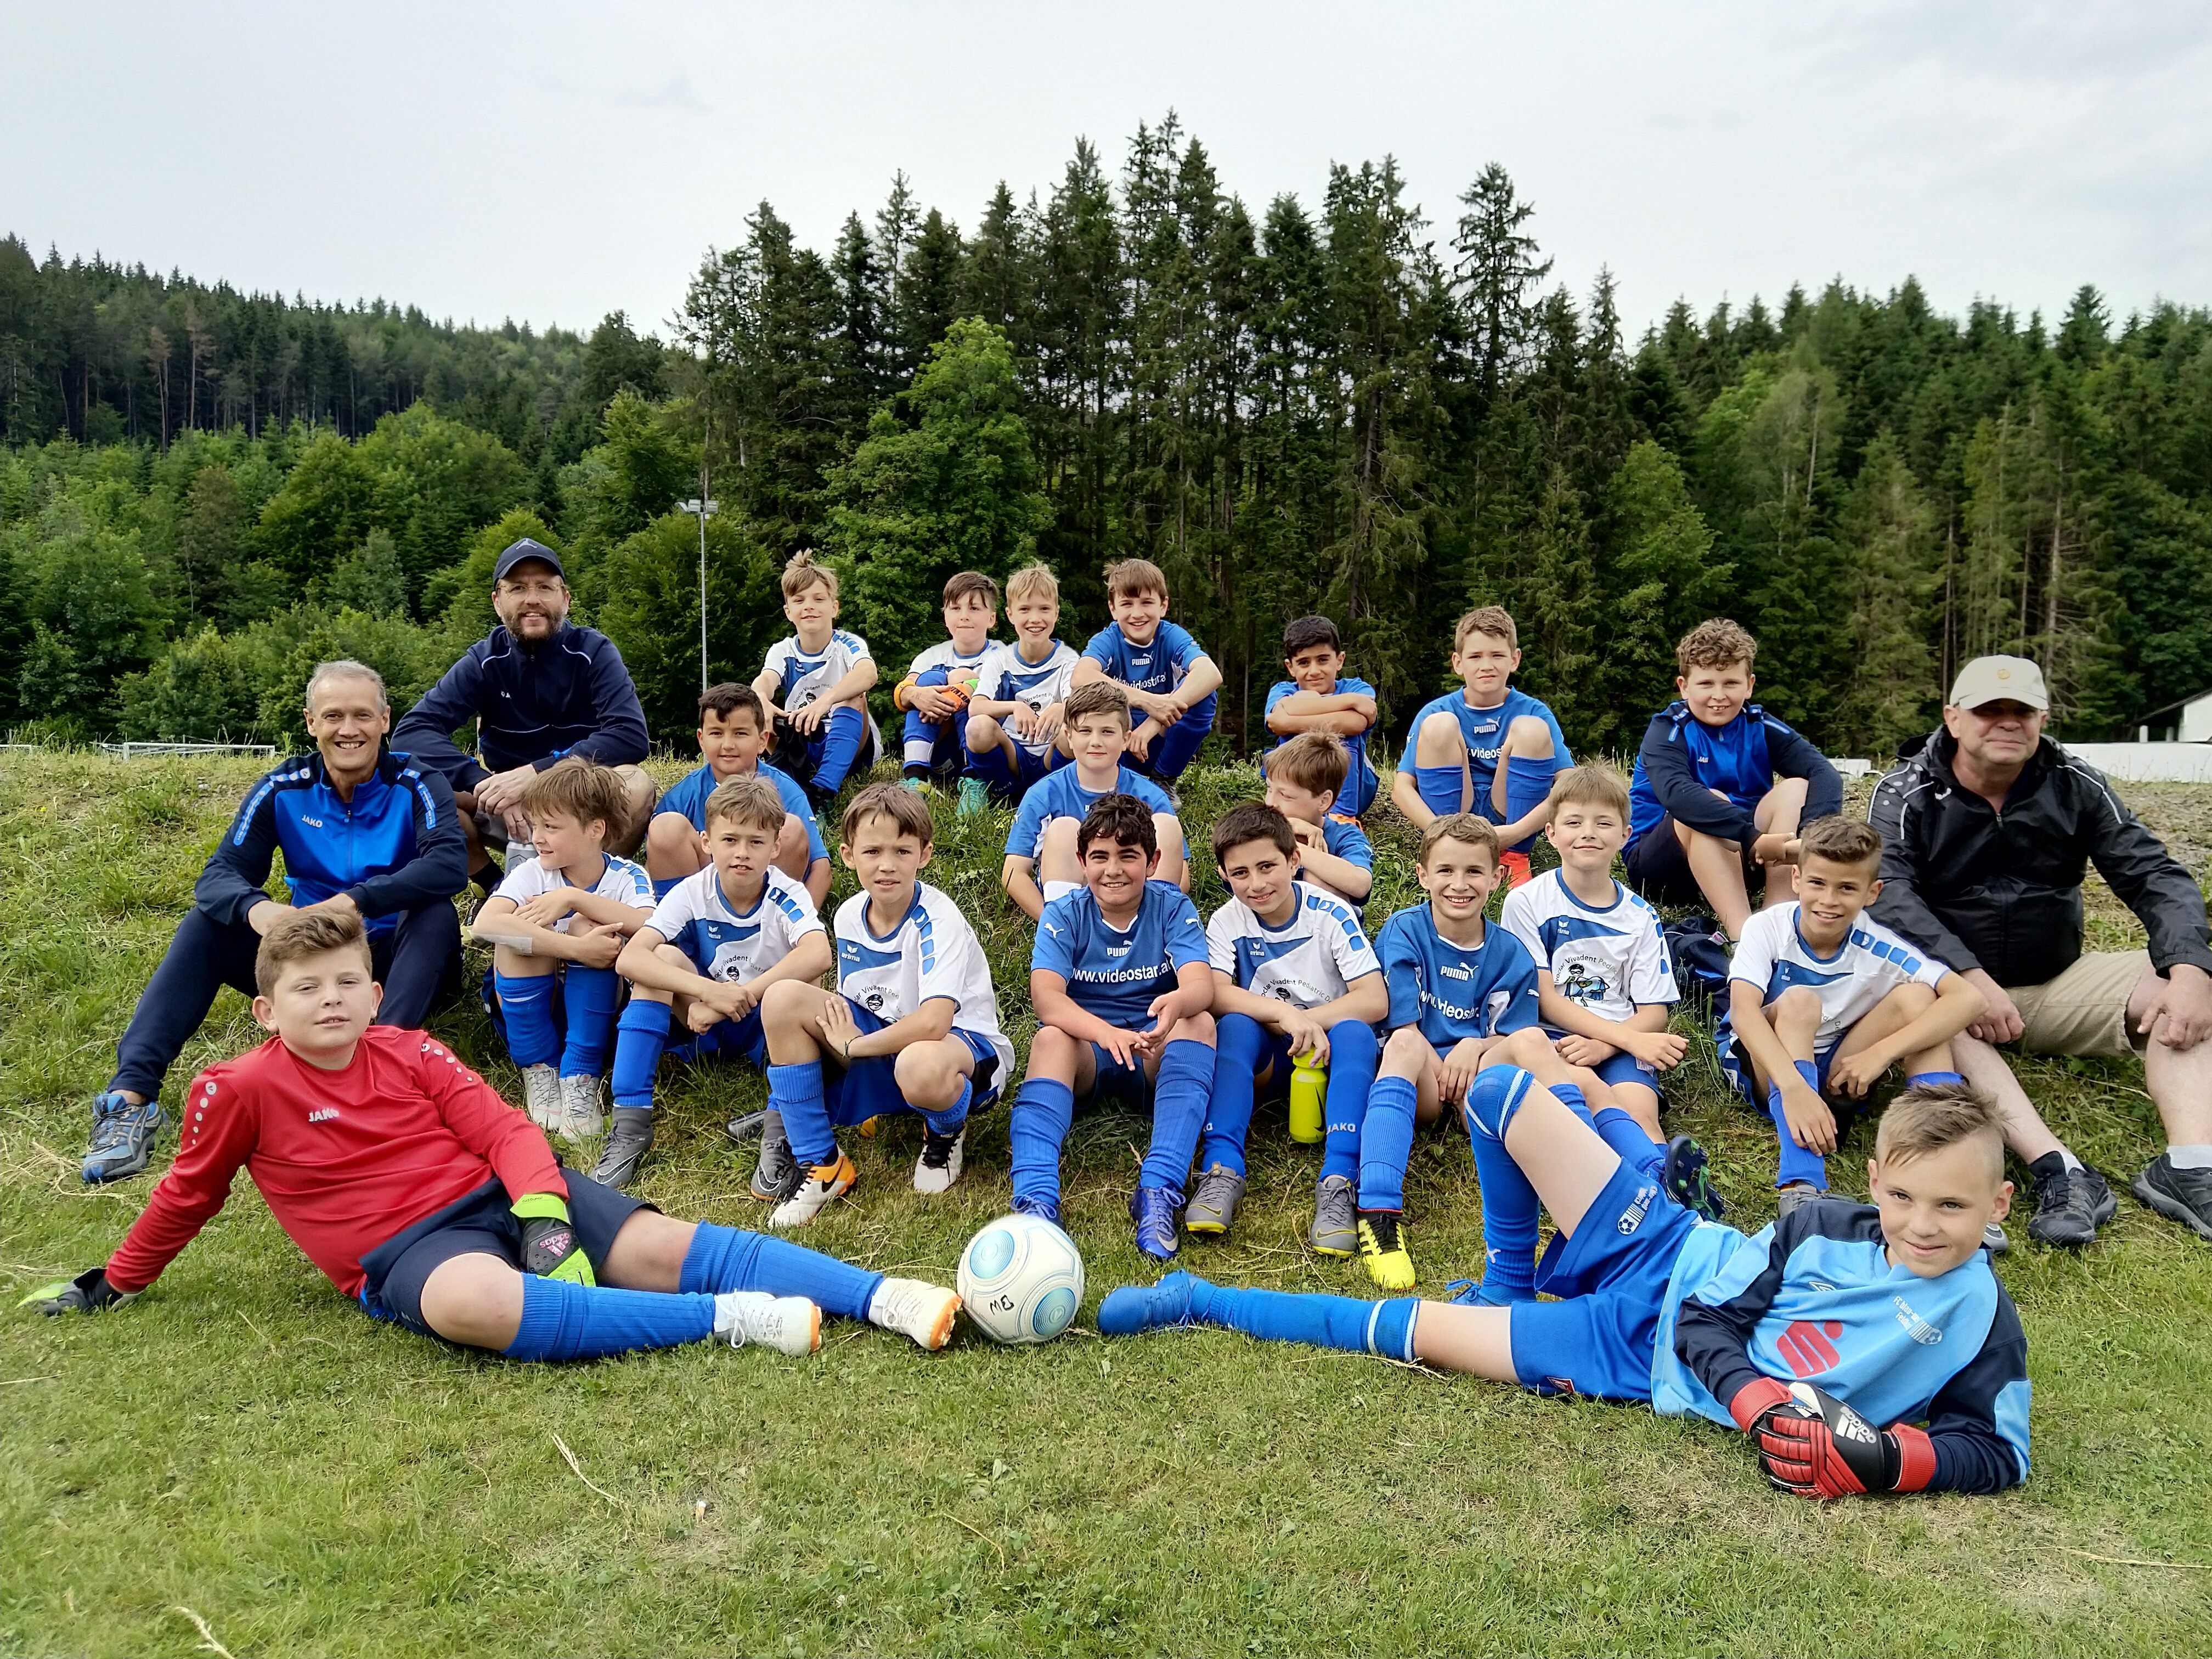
(702, 508)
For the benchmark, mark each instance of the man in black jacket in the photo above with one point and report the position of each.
(538, 688)
(1986, 833)
(363, 831)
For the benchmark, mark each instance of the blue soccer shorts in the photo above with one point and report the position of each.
(868, 1088)
(1735, 1066)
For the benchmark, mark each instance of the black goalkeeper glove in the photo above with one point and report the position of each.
(549, 1241)
(89, 1292)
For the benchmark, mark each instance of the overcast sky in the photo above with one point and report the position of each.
(551, 163)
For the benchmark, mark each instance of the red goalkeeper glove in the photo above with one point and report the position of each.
(1813, 1444)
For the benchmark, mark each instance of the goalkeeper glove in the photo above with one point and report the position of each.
(89, 1292)
(1813, 1444)
(549, 1241)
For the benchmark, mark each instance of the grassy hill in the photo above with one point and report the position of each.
(243, 1445)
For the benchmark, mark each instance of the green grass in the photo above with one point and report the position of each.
(243, 1443)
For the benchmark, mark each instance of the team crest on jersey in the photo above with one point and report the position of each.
(1639, 1207)
(873, 1002)
(1918, 1329)
(1582, 988)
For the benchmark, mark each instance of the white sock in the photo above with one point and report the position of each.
(2190, 1157)
(2073, 1162)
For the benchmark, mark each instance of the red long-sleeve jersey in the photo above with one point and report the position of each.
(345, 1159)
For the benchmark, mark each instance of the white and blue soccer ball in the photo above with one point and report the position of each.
(1021, 1279)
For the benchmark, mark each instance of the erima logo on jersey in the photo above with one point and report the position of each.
(1639, 1207)
(1915, 1326)
(322, 1115)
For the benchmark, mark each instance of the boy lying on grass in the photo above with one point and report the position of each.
(423, 1195)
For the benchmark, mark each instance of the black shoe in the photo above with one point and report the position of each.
(2182, 1195)
(745, 1126)
(629, 1141)
(778, 1176)
(1688, 1181)
(2070, 1205)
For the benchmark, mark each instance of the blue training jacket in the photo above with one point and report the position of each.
(1683, 760)
(571, 695)
(395, 846)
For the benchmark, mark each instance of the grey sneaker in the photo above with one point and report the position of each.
(1336, 1217)
(2070, 1205)
(777, 1176)
(1795, 1198)
(583, 1104)
(1994, 1240)
(543, 1099)
(2182, 1195)
(1213, 1202)
(627, 1142)
(122, 1137)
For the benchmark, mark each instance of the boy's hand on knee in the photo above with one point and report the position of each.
(1578, 1050)
(549, 1241)
(1854, 1074)
(1812, 1125)
(1459, 1066)
(1660, 1050)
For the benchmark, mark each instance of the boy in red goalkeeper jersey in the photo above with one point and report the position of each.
(422, 1194)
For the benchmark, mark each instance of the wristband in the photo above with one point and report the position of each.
(542, 1207)
(1755, 1398)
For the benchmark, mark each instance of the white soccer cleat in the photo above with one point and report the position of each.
(941, 1160)
(583, 1106)
(543, 1098)
(790, 1324)
(916, 1308)
(822, 1186)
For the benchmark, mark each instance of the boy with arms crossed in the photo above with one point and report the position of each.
(913, 1025)
(1120, 983)
(1041, 848)
(1293, 977)
(1166, 672)
(419, 1192)
(935, 692)
(734, 731)
(708, 955)
(1318, 698)
(816, 683)
(1015, 718)
(1816, 1337)
(1305, 780)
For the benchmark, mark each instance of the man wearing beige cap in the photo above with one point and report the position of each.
(1987, 831)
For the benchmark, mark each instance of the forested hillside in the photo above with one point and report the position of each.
(1338, 403)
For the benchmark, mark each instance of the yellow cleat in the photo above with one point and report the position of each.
(867, 1129)
(1382, 1247)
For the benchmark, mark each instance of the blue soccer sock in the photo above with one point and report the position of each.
(639, 1035)
(1343, 1322)
(1239, 1044)
(1179, 1092)
(948, 1121)
(1796, 1166)
(562, 1320)
(841, 733)
(918, 750)
(1528, 780)
(1931, 1079)
(1626, 1136)
(587, 1007)
(1510, 1205)
(1353, 1054)
(729, 1259)
(796, 1092)
(526, 1003)
(664, 886)
(1173, 750)
(1037, 1127)
(1441, 787)
(1386, 1144)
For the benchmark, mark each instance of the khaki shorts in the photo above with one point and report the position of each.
(2084, 1009)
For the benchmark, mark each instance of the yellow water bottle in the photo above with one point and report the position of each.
(1309, 1087)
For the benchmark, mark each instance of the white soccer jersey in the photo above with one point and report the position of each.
(728, 944)
(1311, 959)
(622, 881)
(1870, 963)
(802, 677)
(932, 953)
(948, 656)
(1005, 678)
(1604, 958)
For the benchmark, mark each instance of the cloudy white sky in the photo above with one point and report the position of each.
(551, 163)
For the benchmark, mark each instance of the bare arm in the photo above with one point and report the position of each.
(1643, 1034)
(1054, 1007)
(1346, 713)
(1018, 876)
(501, 921)
(765, 686)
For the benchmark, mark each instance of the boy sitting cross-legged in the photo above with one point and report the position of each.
(1305, 777)
(1166, 672)
(1294, 977)
(1489, 749)
(1818, 1337)
(1318, 698)
(557, 925)
(708, 955)
(732, 734)
(1041, 848)
(1015, 718)
(816, 684)
(1121, 989)
(935, 692)
(913, 1025)
(423, 1197)
(1721, 787)
(1823, 1000)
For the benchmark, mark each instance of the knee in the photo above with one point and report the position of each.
(1406, 1052)
(1798, 1002)
(927, 1076)
(982, 732)
(1354, 1039)
(1051, 1050)
(1528, 736)
(791, 840)
(787, 1002)
(1195, 1028)
(670, 832)
(1439, 743)
(475, 1300)
(1531, 1051)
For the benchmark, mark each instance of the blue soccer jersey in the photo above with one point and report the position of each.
(689, 797)
(1117, 973)
(1682, 761)
(1158, 667)
(1360, 782)
(1061, 795)
(1484, 730)
(1454, 992)
(725, 943)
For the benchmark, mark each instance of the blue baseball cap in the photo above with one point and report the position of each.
(522, 551)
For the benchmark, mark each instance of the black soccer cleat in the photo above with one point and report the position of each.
(628, 1140)
(1688, 1179)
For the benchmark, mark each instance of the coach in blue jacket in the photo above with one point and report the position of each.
(537, 688)
(362, 830)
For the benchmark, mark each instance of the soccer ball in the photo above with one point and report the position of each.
(1021, 1279)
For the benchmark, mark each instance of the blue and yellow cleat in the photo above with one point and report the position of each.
(1134, 1309)
(122, 1137)
(1154, 1209)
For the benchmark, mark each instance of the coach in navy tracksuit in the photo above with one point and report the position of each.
(362, 830)
(536, 689)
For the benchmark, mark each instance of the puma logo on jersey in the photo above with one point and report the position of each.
(1450, 971)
